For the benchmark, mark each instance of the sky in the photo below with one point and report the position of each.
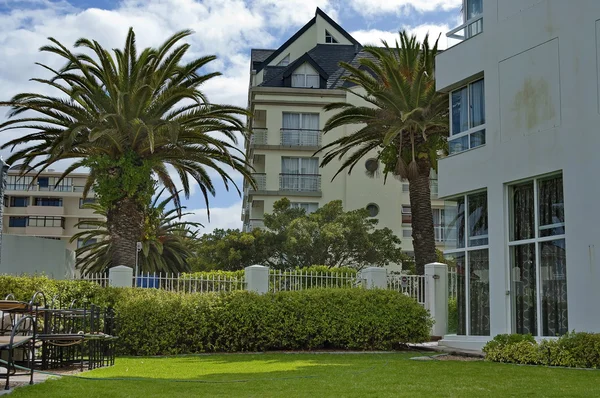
(225, 28)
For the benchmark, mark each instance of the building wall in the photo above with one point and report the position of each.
(70, 209)
(540, 63)
(31, 255)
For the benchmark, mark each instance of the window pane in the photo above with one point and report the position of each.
(479, 293)
(522, 212)
(458, 145)
(298, 80)
(312, 81)
(457, 321)
(460, 111)
(478, 139)
(474, 8)
(524, 289)
(552, 213)
(554, 288)
(477, 103)
(454, 221)
(478, 219)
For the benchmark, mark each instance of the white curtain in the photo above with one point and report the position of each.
(312, 81)
(310, 122)
(309, 166)
(291, 124)
(290, 165)
(298, 80)
(460, 111)
(477, 104)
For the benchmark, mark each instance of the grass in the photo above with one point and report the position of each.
(316, 375)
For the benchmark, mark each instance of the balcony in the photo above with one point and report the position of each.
(255, 223)
(261, 181)
(470, 28)
(300, 138)
(300, 182)
(259, 137)
(46, 210)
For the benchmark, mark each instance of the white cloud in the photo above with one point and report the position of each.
(377, 7)
(220, 217)
(374, 36)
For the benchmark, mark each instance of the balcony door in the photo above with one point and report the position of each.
(300, 129)
(299, 174)
(474, 9)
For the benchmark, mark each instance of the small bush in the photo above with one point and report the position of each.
(452, 316)
(580, 350)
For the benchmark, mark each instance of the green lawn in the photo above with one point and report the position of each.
(316, 375)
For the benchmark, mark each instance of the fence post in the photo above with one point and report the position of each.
(436, 296)
(375, 277)
(120, 276)
(257, 279)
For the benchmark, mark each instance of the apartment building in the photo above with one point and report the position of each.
(36, 206)
(288, 88)
(521, 183)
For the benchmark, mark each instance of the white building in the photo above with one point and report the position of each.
(36, 206)
(522, 181)
(288, 88)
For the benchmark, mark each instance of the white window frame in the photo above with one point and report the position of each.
(471, 130)
(298, 205)
(306, 70)
(330, 36)
(536, 241)
(285, 61)
(466, 251)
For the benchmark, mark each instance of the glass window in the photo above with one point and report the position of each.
(372, 165)
(467, 117)
(329, 38)
(83, 202)
(82, 242)
(46, 222)
(43, 182)
(406, 215)
(285, 61)
(19, 201)
(306, 76)
(538, 257)
(17, 222)
(81, 223)
(309, 207)
(373, 209)
(17, 183)
(52, 202)
(468, 254)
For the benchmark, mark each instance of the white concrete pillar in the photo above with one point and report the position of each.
(257, 279)
(120, 276)
(436, 296)
(375, 277)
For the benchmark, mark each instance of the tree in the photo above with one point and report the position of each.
(331, 237)
(405, 121)
(164, 240)
(230, 250)
(130, 118)
(293, 239)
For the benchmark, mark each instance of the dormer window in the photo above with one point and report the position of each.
(306, 76)
(329, 38)
(285, 61)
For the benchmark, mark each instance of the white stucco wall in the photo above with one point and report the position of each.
(540, 63)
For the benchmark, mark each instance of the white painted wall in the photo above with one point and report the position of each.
(541, 61)
(30, 255)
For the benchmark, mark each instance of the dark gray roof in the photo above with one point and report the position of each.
(327, 56)
(340, 82)
(258, 55)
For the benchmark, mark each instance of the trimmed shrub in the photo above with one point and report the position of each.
(163, 323)
(580, 350)
(452, 316)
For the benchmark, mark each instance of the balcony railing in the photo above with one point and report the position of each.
(300, 182)
(470, 28)
(259, 136)
(300, 137)
(49, 188)
(261, 181)
(255, 223)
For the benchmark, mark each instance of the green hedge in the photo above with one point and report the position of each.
(581, 350)
(156, 322)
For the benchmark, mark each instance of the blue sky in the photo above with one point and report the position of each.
(227, 28)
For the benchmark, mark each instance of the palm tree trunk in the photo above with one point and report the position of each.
(125, 222)
(422, 217)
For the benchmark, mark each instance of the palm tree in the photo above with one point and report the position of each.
(406, 122)
(130, 118)
(165, 246)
